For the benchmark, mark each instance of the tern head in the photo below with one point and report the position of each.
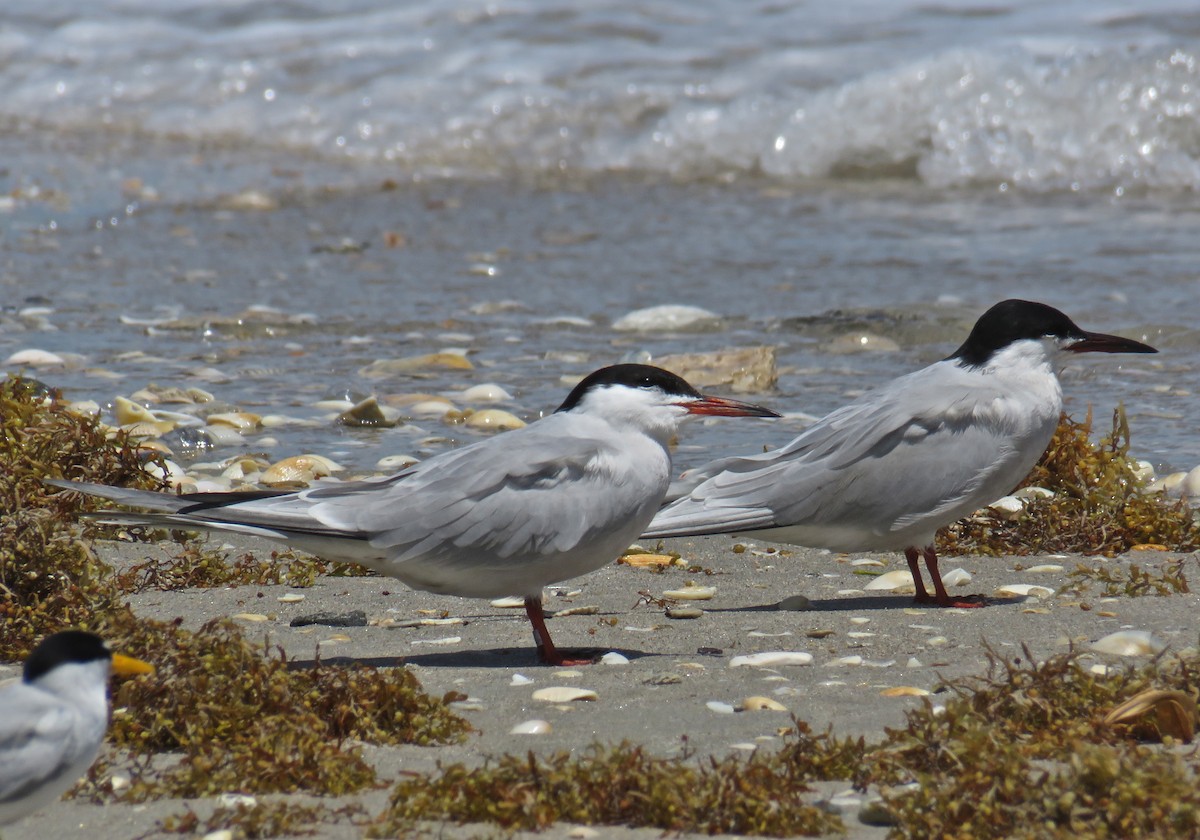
(1012, 321)
(74, 656)
(648, 396)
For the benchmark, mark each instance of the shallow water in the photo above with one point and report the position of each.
(802, 171)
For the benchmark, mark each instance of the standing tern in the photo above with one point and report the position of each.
(53, 719)
(885, 472)
(511, 514)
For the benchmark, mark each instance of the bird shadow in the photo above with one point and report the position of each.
(479, 658)
(860, 604)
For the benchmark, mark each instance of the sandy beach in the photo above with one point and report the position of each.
(678, 690)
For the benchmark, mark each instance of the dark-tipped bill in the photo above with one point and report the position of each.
(723, 407)
(1101, 343)
(127, 666)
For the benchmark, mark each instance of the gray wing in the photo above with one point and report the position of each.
(38, 746)
(540, 489)
(917, 448)
(538, 493)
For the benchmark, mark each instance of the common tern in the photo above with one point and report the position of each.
(508, 515)
(885, 472)
(52, 721)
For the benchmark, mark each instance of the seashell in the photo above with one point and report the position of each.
(568, 674)
(1189, 488)
(746, 370)
(771, 659)
(305, 468)
(1168, 483)
(510, 603)
(290, 598)
(223, 436)
(956, 577)
(794, 603)
(430, 622)
(445, 640)
(755, 634)
(127, 412)
(1045, 568)
(614, 658)
(859, 619)
(649, 560)
(395, 462)
(820, 633)
(152, 429)
(899, 579)
(1025, 590)
(1129, 643)
(691, 592)
(564, 694)
(844, 660)
(532, 727)
(235, 800)
(250, 617)
(338, 637)
(666, 317)
(588, 610)
(494, 420)
(720, 708)
(1008, 507)
(171, 472)
(866, 561)
(248, 200)
(1143, 471)
(761, 704)
(35, 358)
(369, 414)
(684, 612)
(243, 421)
(937, 641)
(904, 691)
(1166, 712)
(1031, 493)
(89, 408)
(383, 368)
(487, 392)
(520, 679)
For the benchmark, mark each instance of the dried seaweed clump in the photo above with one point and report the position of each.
(199, 566)
(251, 723)
(49, 578)
(1099, 505)
(612, 785)
(1031, 752)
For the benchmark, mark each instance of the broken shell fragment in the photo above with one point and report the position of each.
(532, 727)
(1025, 590)
(650, 560)
(1129, 643)
(903, 691)
(1157, 713)
(899, 579)
(771, 659)
(691, 592)
(564, 694)
(762, 704)
(494, 420)
(304, 468)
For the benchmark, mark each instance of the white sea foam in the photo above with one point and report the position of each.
(1029, 95)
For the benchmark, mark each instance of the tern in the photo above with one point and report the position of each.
(512, 514)
(885, 472)
(53, 719)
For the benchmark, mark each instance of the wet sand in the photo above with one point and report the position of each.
(661, 698)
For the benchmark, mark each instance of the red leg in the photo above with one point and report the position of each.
(921, 597)
(547, 652)
(942, 598)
